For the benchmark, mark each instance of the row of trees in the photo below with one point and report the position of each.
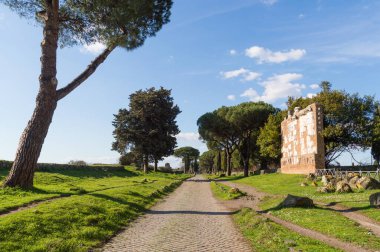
(250, 133)
(145, 132)
(236, 128)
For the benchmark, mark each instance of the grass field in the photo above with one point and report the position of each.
(320, 219)
(264, 234)
(100, 204)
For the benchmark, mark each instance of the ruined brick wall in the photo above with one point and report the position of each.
(302, 144)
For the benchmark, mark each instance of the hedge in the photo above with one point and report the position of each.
(51, 167)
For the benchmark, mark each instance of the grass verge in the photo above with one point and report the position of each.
(103, 204)
(266, 235)
(224, 192)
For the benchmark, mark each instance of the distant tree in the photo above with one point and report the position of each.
(123, 24)
(214, 128)
(375, 150)
(247, 119)
(148, 127)
(129, 158)
(77, 162)
(206, 161)
(189, 156)
(325, 86)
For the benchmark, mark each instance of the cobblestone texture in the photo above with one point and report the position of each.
(190, 219)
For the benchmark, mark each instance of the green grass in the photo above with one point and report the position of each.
(319, 219)
(265, 235)
(100, 205)
(282, 184)
(224, 192)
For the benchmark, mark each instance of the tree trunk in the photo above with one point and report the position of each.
(155, 165)
(229, 168)
(33, 137)
(219, 162)
(146, 164)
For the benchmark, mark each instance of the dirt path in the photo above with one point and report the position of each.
(253, 199)
(190, 219)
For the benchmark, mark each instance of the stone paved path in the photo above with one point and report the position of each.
(190, 219)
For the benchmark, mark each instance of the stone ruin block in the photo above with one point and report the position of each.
(303, 150)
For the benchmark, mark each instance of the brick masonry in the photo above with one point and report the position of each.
(302, 143)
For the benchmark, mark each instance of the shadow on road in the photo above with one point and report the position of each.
(190, 212)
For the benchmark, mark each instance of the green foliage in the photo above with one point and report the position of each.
(149, 126)
(269, 139)
(189, 157)
(236, 127)
(206, 161)
(124, 23)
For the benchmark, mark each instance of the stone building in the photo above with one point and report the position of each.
(302, 143)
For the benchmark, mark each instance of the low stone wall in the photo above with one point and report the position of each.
(6, 165)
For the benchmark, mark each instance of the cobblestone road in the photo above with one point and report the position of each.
(190, 219)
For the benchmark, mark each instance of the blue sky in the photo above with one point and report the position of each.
(212, 53)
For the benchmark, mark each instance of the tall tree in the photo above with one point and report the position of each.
(123, 24)
(247, 118)
(269, 139)
(148, 127)
(189, 155)
(214, 127)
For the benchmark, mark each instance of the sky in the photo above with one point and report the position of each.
(212, 53)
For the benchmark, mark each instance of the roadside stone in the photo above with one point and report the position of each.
(352, 182)
(343, 187)
(324, 180)
(367, 183)
(303, 184)
(374, 200)
(322, 189)
(296, 201)
(314, 183)
(234, 190)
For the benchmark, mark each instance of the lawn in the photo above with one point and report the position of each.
(266, 235)
(320, 219)
(100, 204)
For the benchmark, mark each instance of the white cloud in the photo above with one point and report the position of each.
(231, 97)
(301, 16)
(245, 74)
(276, 87)
(2, 16)
(188, 136)
(269, 2)
(264, 55)
(314, 86)
(233, 52)
(94, 48)
(310, 95)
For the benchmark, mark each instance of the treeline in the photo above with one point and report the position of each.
(249, 134)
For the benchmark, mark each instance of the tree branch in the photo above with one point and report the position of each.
(61, 93)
